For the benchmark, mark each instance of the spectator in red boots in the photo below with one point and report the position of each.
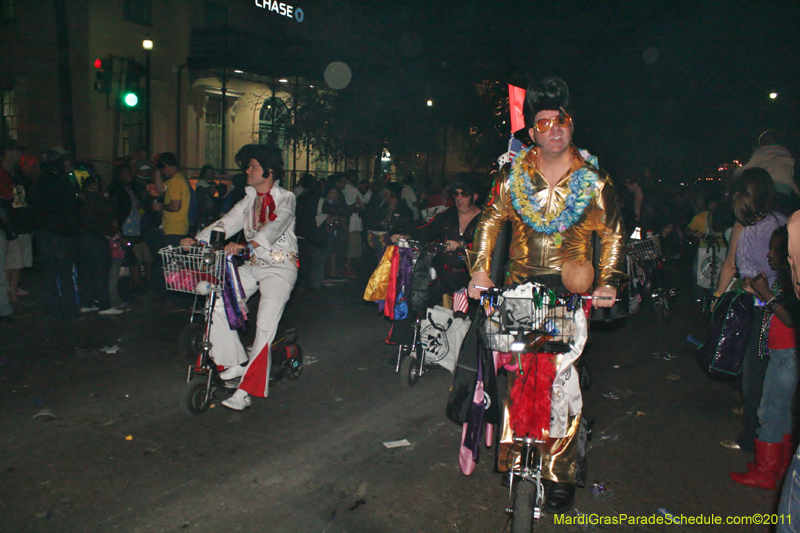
(773, 445)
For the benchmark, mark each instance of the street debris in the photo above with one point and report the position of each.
(666, 514)
(694, 340)
(129, 437)
(600, 489)
(730, 444)
(110, 349)
(396, 443)
(357, 504)
(45, 414)
(610, 396)
(673, 377)
(666, 356)
(309, 360)
(622, 367)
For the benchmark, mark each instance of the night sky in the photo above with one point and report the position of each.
(677, 86)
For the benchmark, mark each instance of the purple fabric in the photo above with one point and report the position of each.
(232, 286)
(753, 246)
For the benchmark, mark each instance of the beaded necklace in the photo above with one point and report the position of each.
(582, 186)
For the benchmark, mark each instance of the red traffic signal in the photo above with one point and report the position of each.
(104, 75)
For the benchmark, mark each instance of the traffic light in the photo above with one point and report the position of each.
(130, 98)
(104, 73)
(131, 95)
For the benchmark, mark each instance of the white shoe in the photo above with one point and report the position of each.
(110, 311)
(233, 372)
(91, 309)
(239, 401)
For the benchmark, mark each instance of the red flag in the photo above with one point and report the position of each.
(516, 100)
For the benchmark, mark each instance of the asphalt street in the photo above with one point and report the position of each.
(97, 441)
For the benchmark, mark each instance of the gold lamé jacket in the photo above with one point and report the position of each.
(533, 253)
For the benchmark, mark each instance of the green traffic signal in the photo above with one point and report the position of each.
(130, 99)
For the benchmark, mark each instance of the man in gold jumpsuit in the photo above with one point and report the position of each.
(554, 196)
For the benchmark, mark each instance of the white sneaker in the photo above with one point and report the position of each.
(110, 311)
(239, 401)
(233, 372)
(91, 309)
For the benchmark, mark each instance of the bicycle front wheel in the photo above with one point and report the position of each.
(409, 371)
(522, 510)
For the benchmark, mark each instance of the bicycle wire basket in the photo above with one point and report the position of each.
(533, 318)
(644, 250)
(183, 270)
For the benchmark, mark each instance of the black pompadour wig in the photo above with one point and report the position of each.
(548, 94)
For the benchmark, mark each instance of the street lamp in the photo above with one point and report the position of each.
(773, 96)
(147, 46)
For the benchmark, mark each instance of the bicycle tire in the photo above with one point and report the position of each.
(409, 371)
(522, 509)
(193, 397)
(190, 341)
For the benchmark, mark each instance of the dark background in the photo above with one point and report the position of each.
(678, 86)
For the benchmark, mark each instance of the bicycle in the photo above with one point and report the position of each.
(202, 271)
(429, 344)
(532, 322)
(646, 269)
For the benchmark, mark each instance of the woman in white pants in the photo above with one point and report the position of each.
(266, 215)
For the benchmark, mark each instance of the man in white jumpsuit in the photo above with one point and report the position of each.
(266, 215)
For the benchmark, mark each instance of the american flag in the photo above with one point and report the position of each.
(460, 301)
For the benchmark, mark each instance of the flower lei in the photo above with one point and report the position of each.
(582, 185)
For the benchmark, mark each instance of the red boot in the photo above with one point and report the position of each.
(788, 454)
(769, 460)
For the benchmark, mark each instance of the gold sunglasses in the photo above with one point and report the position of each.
(544, 124)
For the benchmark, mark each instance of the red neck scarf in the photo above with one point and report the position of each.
(267, 207)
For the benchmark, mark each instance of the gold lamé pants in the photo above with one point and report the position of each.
(558, 454)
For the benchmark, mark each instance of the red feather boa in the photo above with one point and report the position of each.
(529, 408)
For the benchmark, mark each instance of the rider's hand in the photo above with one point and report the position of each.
(607, 292)
(451, 246)
(233, 248)
(186, 242)
(479, 279)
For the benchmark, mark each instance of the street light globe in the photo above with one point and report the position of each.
(147, 45)
(430, 103)
(773, 96)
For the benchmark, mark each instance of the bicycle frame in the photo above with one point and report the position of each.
(205, 365)
(529, 471)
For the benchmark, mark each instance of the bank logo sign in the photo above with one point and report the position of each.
(281, 8)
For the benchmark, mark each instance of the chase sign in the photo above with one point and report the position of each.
(282, 8)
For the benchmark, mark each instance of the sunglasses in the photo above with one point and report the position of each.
(544, 124)
(463, 194)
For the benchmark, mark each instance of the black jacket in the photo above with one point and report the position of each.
(55, 204)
